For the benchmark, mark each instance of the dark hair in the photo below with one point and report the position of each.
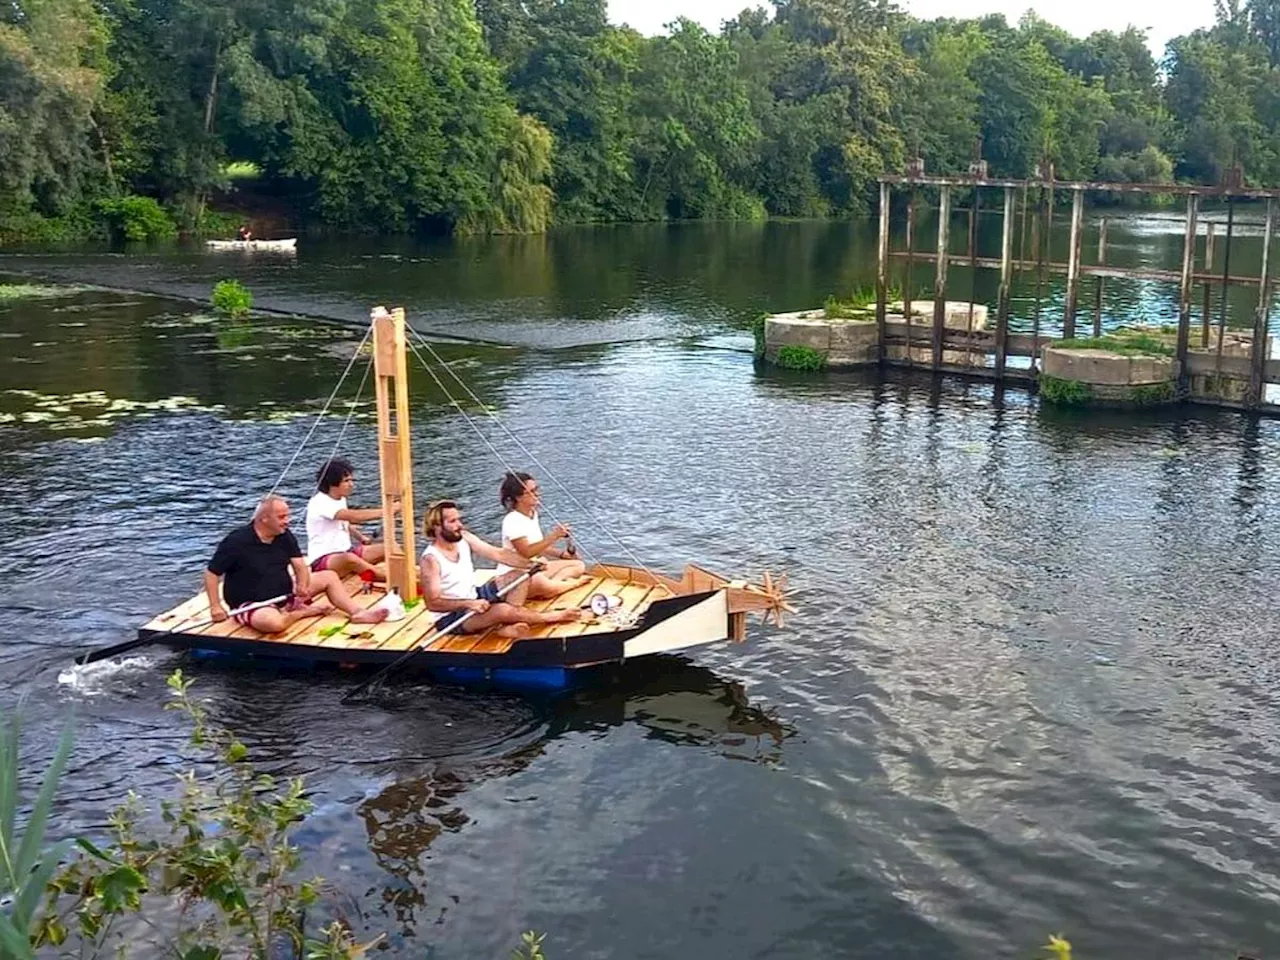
(332, 473)
(433, 519)
(512, 488)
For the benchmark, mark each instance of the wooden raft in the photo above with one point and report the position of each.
(636, 588)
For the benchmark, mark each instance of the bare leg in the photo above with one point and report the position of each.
(375, 552)
(515, 621)
(328, 583)
(273, 620)
(348, 564)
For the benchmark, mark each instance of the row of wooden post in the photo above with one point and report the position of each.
(1040, 244)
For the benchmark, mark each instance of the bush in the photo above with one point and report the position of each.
(1067, 393)
(232, 298)
(793, 357)
(136, 218)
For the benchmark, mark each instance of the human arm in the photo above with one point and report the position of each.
(363, 515)
(435, 599)
(543, 547)
(217, 612)
(301, 576)
(497, 554)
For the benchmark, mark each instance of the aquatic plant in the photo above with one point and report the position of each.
(1123, 342)
(26, 863)
(1145, 394)
(1064, 392)
(793, 357)
(1058, 948)
(757, 334)
(861, 304)
(33, 291)
(232, 298)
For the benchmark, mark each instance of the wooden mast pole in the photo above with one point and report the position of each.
(395, 464)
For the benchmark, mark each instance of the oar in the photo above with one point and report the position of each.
(415, 649)
(107, 652)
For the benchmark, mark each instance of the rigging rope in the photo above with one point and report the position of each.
(525, 450)
(320, 416)
(480, 433)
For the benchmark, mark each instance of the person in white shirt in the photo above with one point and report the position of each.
(522, 533)
(449, 580)
(333, 542)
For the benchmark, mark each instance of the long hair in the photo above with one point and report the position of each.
(332, 473)
(512, 488)
(433, 519)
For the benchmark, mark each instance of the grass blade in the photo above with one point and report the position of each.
(14, 943)
(8, 799)
(33, 834)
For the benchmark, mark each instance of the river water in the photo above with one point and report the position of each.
(1030, 688)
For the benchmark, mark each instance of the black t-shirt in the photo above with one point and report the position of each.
(254, 570)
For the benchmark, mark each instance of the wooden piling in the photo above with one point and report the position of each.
(1102, 281)
(1006, 276)
(940, 276)
(882, 271)
(1040, 240)
(906, 280)
(1258, 349)
(1073, 264)
(1187, 286)
(1208, 284)
(1226, 279)
(973, 257)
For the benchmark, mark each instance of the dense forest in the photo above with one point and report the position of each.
(511, 115)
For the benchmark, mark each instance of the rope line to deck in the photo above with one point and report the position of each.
(525, 450)
(325, 409)
(472, 424)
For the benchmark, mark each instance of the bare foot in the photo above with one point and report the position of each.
(564, 616)
(370, 616)
(514, 630)
(317, 609)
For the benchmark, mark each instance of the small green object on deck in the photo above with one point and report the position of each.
(327, 632)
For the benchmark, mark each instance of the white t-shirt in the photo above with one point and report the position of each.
(457, 577)
(325, 532)
(516, 526)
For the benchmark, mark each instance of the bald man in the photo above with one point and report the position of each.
(254, 563)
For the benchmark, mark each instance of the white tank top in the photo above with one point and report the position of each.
(457, 578)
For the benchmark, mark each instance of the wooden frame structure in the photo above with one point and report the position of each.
(1257, 369)
(395, 463)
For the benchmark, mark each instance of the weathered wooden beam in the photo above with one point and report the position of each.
(1093, 186)
(973, 254)
(940, 275)
(910, 254)
(1258, 349)
(1041, 241)
(1073, 264)
(1186, 285)
(882, 267)
(1093, 270)
(1226, 277)
(1208, 284)
(1102, 281)
(1006, 279)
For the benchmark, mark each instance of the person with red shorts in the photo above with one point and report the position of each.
(262, 560)
(333, 541)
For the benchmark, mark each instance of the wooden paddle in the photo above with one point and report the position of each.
(106, 653)
(416, 648)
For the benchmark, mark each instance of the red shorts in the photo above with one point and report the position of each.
(322, 563)
(293, 603)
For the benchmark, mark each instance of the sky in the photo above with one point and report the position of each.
(1164, 19)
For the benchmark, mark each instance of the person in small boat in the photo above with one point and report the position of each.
(522, 533)
(449, 579)
(333, 541)
(255, 563)
(244, 233)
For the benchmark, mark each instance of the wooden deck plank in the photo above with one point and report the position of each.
(567, 601)
(634, 596)
(192, 611)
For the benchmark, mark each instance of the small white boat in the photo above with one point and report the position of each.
(288, 244)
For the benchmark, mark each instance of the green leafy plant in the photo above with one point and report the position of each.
(1057, 948)
(757, 334)
(1064, 392)
(793, 357)
(136, 218)
(232, 298)
(26, 864)
(222, 854)
(530, 947)
(1123, 342)
(1145, 394)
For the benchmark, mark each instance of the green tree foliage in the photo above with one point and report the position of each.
(511, 115)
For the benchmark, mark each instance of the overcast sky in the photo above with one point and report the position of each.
(1164, 19)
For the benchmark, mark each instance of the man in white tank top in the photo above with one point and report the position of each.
(449, 580)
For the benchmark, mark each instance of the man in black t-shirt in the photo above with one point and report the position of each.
(254, 562)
